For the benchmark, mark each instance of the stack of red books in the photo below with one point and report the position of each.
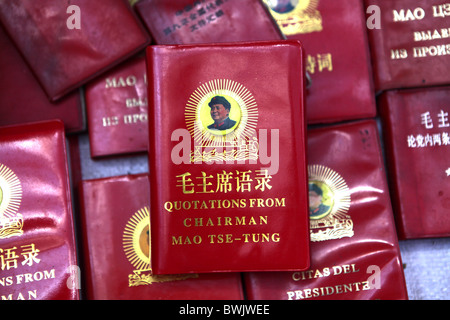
(218, 94)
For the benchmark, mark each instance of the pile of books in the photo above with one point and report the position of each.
(267, 127)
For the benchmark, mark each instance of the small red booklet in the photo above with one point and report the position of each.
(38, 258)
(207, 21)
(409, 43)
(117, 107)
(228, 164)
(354, 246)
(68, 43)
(334, 36)
(116, 249)
(22, 99)
(417, 139)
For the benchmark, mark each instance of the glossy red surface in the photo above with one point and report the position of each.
(108, 206)
(41, 262)
(345, 267)
(416, 130)
(61, 58)
(269, 71)
(337, 59)
(208, 21)
(22, 99)
(408, 50)
(117, 108)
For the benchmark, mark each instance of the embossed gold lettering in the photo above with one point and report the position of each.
(399, 54)
(227, 221)
(432, 34)
(136, 102)
(328, 290)
(431, 51)
(37, 276)
(408, 15)
(180, 240)
(120, 82)
(32, 295)
(441, 11)
(220, 238)
(110, 121)
(172, 206)
(261, 237)
(135, 118)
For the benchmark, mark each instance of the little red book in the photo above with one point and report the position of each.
(22, 99)
(337, 58)
(117, 110)
(67, 44)
(409, 43)
(116, 249)
(207, 21)
(228, 165)
(416, 129)
(38, 258)
(354, 246)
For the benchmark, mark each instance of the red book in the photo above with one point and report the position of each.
(417, 129)
(68, 44)
(354, 246)
(338, 62)
(410, 45)
(115, 227)
(37, 245)
(22, 98)
(228, 182)
(207, 21)
(117, 107)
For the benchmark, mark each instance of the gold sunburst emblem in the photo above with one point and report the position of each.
(296, 16)
(136, 240)
(329, 201)
(229, 136)
(136, 245)
(11, 222)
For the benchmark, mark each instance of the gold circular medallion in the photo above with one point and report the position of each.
(136, 240)
(296, 16)
(11, 222)
(329, 202)
(10, 193)
(221, 111)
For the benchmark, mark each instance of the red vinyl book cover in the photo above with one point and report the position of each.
(37, 244)
(409, 43)
(116, 248)
(67, 44)
(416, 131)
(334, 36)
(228, 171)
(117, 110)
(207, 21)
(23, 100)
(354, 246)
